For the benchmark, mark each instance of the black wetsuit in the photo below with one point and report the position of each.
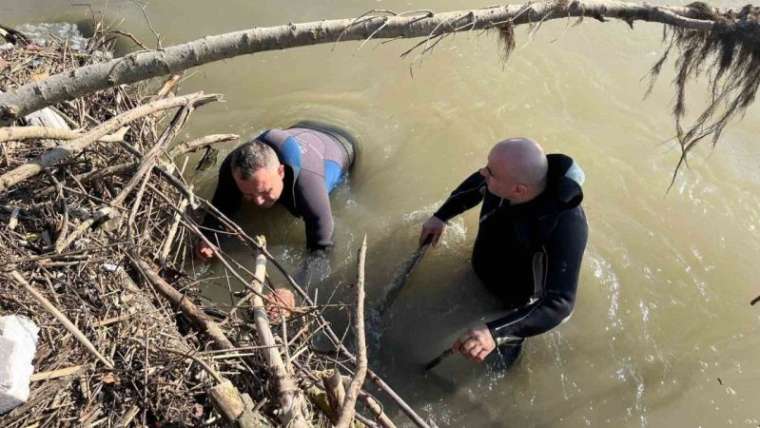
(316, 158)
(530, 254)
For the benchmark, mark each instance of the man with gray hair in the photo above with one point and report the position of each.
(297, 167)
(529, 246)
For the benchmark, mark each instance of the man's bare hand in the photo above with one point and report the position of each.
(203, 251)
(476, 344)
(432, 228)
(279, 303)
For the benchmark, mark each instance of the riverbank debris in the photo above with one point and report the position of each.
(97, 220)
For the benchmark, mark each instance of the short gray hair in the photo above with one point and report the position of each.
(253, 156)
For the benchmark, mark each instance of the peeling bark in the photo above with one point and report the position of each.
(148, 64)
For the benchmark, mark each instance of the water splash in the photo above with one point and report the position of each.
(606, 275)
(43, 32)
(456, 231)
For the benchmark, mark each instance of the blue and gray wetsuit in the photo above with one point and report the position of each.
(316, 158)
(529, 255)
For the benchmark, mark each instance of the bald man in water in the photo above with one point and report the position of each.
(529, 246)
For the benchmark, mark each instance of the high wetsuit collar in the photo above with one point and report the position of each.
(563, 189)
(564, 180)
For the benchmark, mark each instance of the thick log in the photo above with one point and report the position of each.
(148, 64)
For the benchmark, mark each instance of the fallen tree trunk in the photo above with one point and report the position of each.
(148, 64)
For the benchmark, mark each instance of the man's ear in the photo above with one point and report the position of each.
(521, 189)
(281, 171)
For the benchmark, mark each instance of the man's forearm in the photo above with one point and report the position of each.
(533, 319)
(468, 194)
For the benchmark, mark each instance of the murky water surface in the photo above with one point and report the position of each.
(662, 335)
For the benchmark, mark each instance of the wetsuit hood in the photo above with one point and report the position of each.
(563, 192)
(564, 180)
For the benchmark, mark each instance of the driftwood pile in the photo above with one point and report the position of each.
(97, 223)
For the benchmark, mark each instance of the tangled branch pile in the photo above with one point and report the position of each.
(96, 222)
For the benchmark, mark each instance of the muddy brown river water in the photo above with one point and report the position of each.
(663, 333)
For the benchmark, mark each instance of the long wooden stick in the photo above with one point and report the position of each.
(224, 393)
(151, 157)
(348, 407)
(290, 400)
(65, 151)
(202, 142)
(68, 325)
(55, 374)
(439, 359)
(20, 133)
(167, 246)
(400, 280)
(382, 419)
(196, 315)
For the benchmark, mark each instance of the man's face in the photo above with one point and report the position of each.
(498, 181)
(263, 188)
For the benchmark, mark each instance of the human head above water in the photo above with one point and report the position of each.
(258, 173)
(516, 170)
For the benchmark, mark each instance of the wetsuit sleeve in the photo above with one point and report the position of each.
(227, 198)
(564, 252)
(465, 196)
(312, 196)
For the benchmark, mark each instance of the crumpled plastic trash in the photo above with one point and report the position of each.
(18, 343)
(110, 267)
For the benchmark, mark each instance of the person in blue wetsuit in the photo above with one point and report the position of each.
(296, 167)
(529, 246)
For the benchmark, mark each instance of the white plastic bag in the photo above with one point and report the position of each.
(18, 343)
